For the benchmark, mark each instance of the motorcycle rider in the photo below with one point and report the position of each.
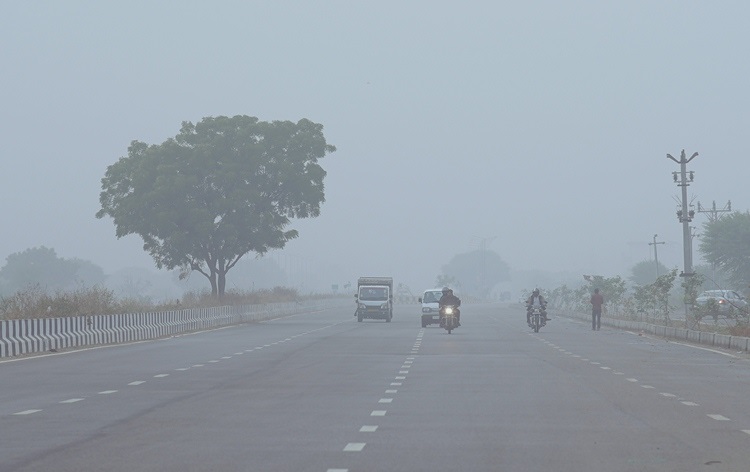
(536, 299)
(449, 299)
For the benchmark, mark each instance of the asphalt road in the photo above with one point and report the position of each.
(321, 392)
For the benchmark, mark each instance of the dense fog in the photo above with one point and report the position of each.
(536, 130)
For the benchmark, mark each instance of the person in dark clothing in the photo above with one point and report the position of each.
(449, 299)
(536, 299)
(597, 300)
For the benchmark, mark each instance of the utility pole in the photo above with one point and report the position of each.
(685, 215)
(656, 256)
(713, 212)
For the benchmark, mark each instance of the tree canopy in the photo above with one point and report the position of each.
(41, 266)
(218, 190)
(725, 243)
(644, 272)
(475, 272)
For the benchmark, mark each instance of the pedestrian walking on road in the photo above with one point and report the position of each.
(597, 300)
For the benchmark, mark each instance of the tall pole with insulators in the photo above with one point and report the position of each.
(683, 178)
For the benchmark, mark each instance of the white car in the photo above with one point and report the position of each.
(721, 302)
(430, 306)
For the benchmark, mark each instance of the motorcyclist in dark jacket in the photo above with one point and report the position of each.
(449, 299)
(536, 299)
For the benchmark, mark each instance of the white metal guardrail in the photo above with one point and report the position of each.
(29, 336)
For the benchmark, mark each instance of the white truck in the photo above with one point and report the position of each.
(374, 298)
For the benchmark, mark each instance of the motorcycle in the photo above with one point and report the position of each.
(449, 318)
(537, 318)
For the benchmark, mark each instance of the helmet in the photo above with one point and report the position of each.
(446, 290)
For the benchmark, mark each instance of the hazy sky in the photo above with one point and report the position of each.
(543, 124)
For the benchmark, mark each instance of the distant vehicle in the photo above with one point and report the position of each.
(374, 298)
(430, 306)
(717, 303)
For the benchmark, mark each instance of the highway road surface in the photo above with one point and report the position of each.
(321, 392)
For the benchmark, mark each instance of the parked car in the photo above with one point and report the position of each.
(717, 303)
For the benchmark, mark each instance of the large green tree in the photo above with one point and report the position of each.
(218, 190)
(725, 243)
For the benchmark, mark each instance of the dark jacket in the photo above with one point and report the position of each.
(449, 300)
(530, 302)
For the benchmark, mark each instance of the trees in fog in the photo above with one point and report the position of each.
(725, 243)
(218, 190)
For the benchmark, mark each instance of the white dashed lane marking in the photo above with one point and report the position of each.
(72, 400)
(27, 412)
(159, 376)
(354, 447)
(107, 392)
(368, 429)
(690, 403)
(385, 400)
(378, 413)
(719, 417)
(137, 382)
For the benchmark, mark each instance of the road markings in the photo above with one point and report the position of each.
(746, 431)
(647, 386)
(159, 376)
(401, 378)
(368, 429)
(182, 369)
(391, 391)
(719, 417)
(632, 380)
(605, 368)
(668, 395)
(689, 403)
(337, 470)
(403, 371)
(378, 413)
(27, 412)
(107, 392)
(72, 400)
(385, 400)
(137, 382)
(198, 365)
(396, 384)
(354, 447)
